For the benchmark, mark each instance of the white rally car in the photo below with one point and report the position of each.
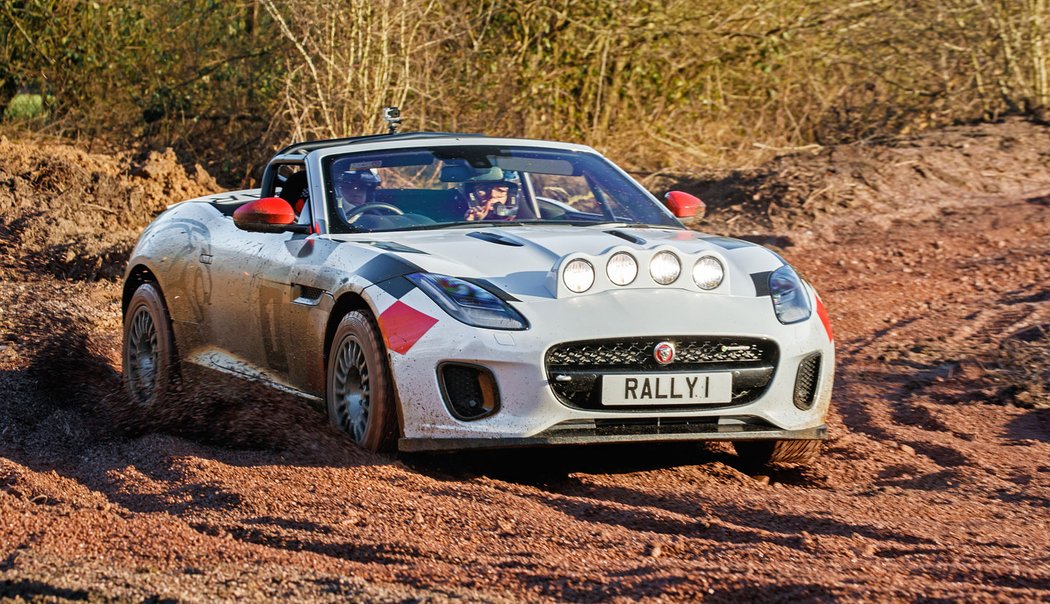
(447, 291)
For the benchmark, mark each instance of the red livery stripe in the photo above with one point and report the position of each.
(823, 314)
(402, 326)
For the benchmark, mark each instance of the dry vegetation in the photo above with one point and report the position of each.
(668, 84)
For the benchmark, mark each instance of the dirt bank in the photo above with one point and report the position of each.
(935, 483)
(72, 214)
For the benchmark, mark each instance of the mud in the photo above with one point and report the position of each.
(73, 214)
(872, 182)
(935, 483)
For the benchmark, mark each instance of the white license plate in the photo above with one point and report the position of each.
(667, 389)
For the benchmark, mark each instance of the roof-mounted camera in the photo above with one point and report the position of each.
(392, 116)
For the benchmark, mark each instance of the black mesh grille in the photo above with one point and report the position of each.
(751, 360)
(463, 391)
(806, 381)
(634, 353)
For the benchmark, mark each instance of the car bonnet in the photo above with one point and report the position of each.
(519, 259)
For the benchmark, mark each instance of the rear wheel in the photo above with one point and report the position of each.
(764, 452)
(149, 347)
(360, 391)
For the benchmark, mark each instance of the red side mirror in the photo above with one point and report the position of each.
(267, 215)
(684, 205)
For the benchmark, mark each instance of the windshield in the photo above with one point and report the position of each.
(443, 187)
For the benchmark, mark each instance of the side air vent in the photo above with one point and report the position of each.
(806, 381)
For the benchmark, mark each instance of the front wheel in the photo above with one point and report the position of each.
(149, 347)
(360, 392)
(763, 452)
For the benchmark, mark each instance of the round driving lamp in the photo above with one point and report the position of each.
(665, 268)
(622, 268)
(708, 273)
(578, 276)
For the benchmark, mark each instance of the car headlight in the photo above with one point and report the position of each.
(708, 272)
(665, 268)
(622, 268)
(469, 303)
(578, 275)
(790, 301)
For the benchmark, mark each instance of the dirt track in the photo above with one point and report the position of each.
(935, 483)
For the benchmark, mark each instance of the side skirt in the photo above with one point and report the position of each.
(228, 366)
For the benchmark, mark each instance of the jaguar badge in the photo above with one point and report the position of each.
(664, 353)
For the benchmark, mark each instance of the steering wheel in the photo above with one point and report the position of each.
(387, 208)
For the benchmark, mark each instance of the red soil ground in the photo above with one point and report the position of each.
(935, 483)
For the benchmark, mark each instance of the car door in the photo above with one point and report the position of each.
(251, 293)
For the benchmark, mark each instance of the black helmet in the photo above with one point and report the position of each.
(361, 178)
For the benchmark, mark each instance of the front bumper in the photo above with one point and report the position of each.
(530, 413)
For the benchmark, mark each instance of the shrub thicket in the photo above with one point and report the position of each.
(655, 83)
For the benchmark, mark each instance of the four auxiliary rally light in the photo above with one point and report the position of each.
(622, 269)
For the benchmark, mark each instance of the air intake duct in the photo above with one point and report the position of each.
(806, 381)
(469, 391)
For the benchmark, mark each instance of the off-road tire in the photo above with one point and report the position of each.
(763, 452)
(357, 340)
(148, 355)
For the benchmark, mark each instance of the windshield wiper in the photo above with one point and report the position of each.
(460, 224)
(465, 224)
(604, 223)
(475, 223)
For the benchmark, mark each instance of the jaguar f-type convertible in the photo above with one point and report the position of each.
(435, 291)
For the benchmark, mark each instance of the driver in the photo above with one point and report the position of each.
(356, 188)
(492, 200)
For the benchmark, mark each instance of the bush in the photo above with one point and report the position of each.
(25, 107)
(656, 83)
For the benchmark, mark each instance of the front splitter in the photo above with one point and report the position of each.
(620, 434)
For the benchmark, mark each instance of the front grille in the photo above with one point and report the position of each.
(636, 353)
(806, 381)
(751, 360)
